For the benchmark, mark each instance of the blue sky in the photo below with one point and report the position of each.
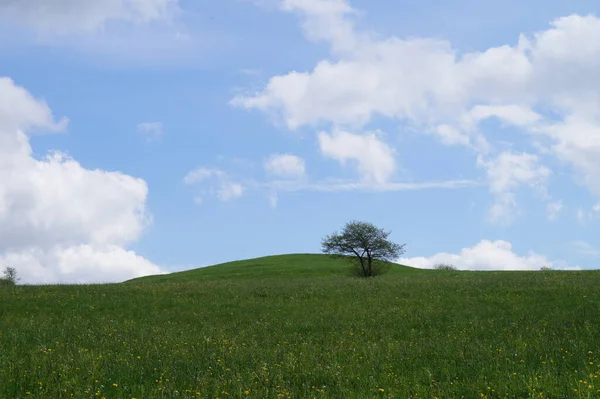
(201, 132)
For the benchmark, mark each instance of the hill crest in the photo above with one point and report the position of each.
(272, 266)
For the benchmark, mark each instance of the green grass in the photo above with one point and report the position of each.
(297, 326)
(271, 267)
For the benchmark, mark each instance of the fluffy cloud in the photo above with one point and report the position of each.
(505, 174)
(62, 222)
(83, 263)
(374, 159)
(545, 84)
(228, 191)
(69, 16)
(285, 165)
(19, 110)
(486, 255)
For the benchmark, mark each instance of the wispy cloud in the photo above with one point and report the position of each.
(342, 185)
(151, 130)
(231, 187)
(586, 249)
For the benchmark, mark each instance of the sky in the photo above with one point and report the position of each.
(149, 136)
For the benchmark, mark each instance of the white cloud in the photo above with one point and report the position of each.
(585, 248)
(286, 165)
(200, 174)
(374, 159)
(224, 189)
(508, 172)
(19, 110)
(511, 114)
(450, 135)
(583, 216)
(344, 185)
(326, 19)
(83, 263)
(553, 208)
(151, 130)
(486, 255)
(71, 16)
(545, 84)
(114, 33)
(229, 190)
(62, 222)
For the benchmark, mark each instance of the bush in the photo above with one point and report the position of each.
(445, 266)
(378, 268)
(10, 276)
(6, 282)
(546, 269)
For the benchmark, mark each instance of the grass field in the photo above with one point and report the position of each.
(298, 326)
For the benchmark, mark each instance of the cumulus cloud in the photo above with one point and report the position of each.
(486, 255)
(70, 16)
(374, 159)
(544, 83)
(285, 165)
(83, 263)
(62, 222)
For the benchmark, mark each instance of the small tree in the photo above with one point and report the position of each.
(10, 275)
(364, 241)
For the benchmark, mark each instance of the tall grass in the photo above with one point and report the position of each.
(413, 335)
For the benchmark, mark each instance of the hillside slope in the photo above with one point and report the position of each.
(288, 266)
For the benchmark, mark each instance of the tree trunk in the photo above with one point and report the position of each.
(370, 261)
(362, 266)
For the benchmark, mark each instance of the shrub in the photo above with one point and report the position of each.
(378, 268)
(6, 282)
(445, 266)
(10, 276)
(546, 269)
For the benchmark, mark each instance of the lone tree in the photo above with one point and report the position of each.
(10, 276)
(366, 242)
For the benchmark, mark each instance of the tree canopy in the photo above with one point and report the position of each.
(366, 242)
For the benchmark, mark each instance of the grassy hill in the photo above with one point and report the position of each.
(278, 266)
(298, 327)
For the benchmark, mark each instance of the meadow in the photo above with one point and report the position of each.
(298, 326)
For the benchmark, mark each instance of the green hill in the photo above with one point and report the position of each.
(278, 266)
(297, 326)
